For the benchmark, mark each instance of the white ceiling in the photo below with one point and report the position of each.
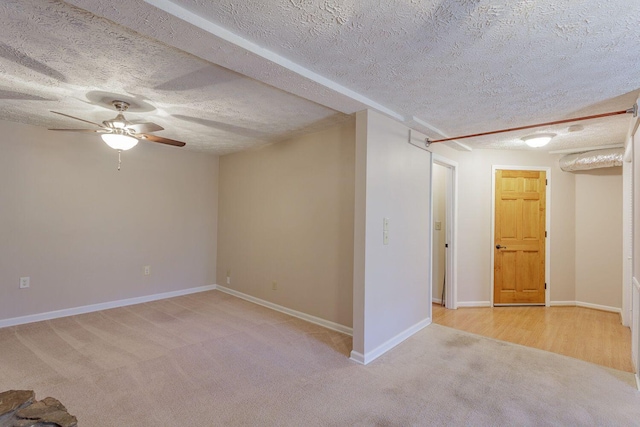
(227, 75)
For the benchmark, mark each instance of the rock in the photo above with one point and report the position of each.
(12, 400)
(18, 409)
(48, 410)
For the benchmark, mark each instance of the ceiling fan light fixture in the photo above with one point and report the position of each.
(538, 139)
(119, 141)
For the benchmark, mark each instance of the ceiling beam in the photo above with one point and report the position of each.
(176, 26)
(226, 35)
(422, 123)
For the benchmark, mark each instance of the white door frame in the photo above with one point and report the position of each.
(451, 232)
(627, 236)
(547, 248)
(633, 137)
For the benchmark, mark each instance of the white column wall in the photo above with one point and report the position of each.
(391, 282)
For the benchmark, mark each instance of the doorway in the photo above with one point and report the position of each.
(520, 220)
(443, 231)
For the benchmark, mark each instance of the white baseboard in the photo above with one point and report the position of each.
(101, 306)
(389, 344)
(562, 303)
(638, 381)
(357, 357)
(300, 315)
(436, 300)
(474, 303)
(586, 305)
(599, 307)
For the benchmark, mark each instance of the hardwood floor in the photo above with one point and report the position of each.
(591, 335)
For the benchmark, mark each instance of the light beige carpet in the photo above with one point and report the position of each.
(211, 359)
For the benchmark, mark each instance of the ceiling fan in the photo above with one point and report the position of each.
(121, 134)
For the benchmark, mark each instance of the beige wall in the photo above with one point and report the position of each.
(475, 242)
(82, 231)
(439, 236)
(599, 237)
(286, 215)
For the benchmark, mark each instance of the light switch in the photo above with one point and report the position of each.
(385, 224)
(438, 225)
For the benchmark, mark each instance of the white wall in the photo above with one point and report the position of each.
(391, 282)
(82, 231)
(475, 242)
(634, 140)
(599, 237)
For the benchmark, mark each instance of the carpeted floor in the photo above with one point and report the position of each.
(211, 359)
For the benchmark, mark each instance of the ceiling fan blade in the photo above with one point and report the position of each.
(161, 140)
(145, 127)
(77, 130)
(76, 118)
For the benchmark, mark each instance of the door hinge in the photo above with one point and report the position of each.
(545, 286)
(545, 234)
(446, 245)
(546, 182)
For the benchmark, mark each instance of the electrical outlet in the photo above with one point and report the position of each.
(147, 270)
(25, 282)
(228, 280)
(274, 285)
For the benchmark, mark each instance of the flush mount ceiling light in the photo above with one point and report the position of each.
(538, 139)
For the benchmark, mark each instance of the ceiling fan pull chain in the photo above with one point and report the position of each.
(119, 159)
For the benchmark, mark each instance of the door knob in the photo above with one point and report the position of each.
(500, 247)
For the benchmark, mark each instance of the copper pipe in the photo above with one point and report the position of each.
(557, 122)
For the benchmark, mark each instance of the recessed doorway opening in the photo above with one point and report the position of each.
(443, 231)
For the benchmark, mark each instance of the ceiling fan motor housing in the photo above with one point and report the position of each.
(120, 105)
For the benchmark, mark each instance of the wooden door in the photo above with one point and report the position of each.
(519, 241)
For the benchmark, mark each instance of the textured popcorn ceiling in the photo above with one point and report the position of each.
(292, 65)
(57, 57)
